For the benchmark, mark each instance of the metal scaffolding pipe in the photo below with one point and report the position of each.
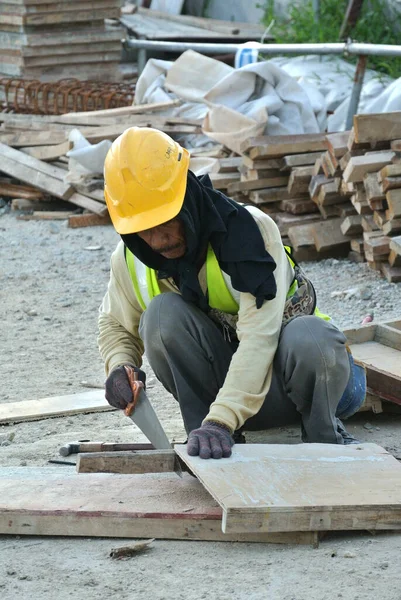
(208, 48)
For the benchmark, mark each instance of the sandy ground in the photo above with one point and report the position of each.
(52, 280)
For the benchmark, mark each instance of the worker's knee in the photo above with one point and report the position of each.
(161, 320)
(313, 342)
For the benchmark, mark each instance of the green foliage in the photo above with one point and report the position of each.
(373, 26)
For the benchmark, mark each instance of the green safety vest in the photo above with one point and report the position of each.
(222, 295)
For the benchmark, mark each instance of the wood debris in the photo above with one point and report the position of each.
(129, 551)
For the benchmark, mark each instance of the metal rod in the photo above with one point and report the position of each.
(329, 48)
(356, 91)
(316, 10)
(207, 48)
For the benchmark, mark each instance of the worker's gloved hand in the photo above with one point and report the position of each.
(212, 440)
(118, 389)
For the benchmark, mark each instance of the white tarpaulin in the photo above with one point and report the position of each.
(236, 103)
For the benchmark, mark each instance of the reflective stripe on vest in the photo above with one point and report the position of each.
(222, 295)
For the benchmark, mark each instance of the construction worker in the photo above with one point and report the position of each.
(227, 319)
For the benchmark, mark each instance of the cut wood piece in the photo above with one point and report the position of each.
(379, 217)
(368, 223)
(318, 168)
(393, 199)
(285, 221)
(41, 502)
(46, 215)
(88, 203)
(337, 143)
(226, 165)
(390, 183)
(301, 236)
(359, 202)
(352, 225)
(299, 180)
(71, 404)
(377, 247)
(357, 245)
(394, 258)
(48, 152)
(377, 127)
(328, 235)
(268, 163)
(287, 487)
(356, 256)
(282, 145)
(373, 189)
(269, 195)
(300, 160)
(88, 220)
(328, 212)
(315, 184)
(221, 181)
(246, 186)
(32, 205)
(256, 174)
(12, 190)
(347, 189)
(127, 462)
(330, 165)
(298, 206)
(359, 166)
(345, 210)
(392, 274)
(329, 193)
(391, 227)
(392, 170)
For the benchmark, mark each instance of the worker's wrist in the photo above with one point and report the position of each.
(219, 424)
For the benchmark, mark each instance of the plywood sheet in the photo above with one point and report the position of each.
(42, 502)
(71, 404)
(302, 487)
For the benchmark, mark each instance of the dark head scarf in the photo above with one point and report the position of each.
(210, 217)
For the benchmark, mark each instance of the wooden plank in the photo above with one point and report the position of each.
(299, 180)
(32, 138)
(393, 226)
(298, 206)
(246, 186)
(126, 462)
(46, 215)
(393, 198)
(88, 203)
(295, 487)
(30, 175)
(268, 163)
(392, 274)
(41, 502)
(71, 404)
(88, 220)
(29, 161)
(337, 143)
(270, 195)
(358, 166)
(351, 225)
(377, 127)
(328, 235)
(373, 189)
(48, 152)
(13, 190)
(282, 145)
(395, 244)
(300, 160)
(73, 118)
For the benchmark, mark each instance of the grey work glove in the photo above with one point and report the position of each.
(212, 440)
(118, 388)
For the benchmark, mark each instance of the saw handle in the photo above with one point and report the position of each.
(136, 387)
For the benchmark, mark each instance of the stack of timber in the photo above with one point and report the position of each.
(67, 38)
(331, 195)
(34, 165)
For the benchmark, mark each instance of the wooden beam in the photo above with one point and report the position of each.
(145, 461)
(71, 404)
(41, 502)
(377, 127)
(358, 166)
(282, 145)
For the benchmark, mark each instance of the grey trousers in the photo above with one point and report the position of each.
(190, 357)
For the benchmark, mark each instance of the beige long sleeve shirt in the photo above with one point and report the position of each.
(249, 375)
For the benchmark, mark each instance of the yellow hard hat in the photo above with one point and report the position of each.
(145, 175)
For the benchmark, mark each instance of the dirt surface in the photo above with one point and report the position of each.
(52, 280)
